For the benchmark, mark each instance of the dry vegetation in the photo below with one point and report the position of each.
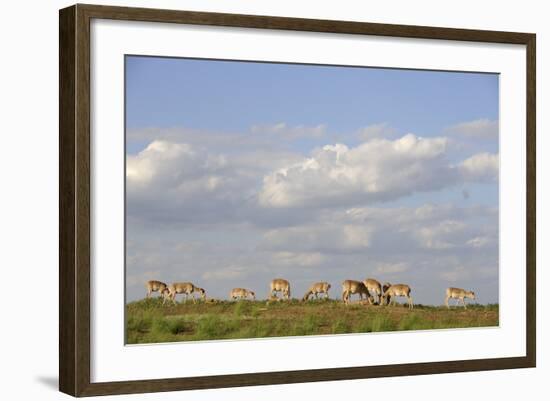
(148, 321)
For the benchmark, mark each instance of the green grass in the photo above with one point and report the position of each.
(148, 321)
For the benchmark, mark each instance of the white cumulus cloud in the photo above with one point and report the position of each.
(167, 163)
(378, 170)
(480, 167)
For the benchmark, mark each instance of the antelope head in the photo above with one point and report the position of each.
(202, 292)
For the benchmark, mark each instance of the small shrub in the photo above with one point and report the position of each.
(208, 326)
(309, 325)
(241, 308)
(340, 327)
(381, 323)
(260, 328)
(139, 322)
(160, 326)
(412, 322)
(178, 326)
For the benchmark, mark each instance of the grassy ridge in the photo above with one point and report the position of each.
(148, 321)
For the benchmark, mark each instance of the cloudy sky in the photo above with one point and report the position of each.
(240, 172)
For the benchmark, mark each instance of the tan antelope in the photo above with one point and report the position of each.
(272, 299)
(374, 287)
(350, 287)
(187, 289)
(384, 289)
(241, 293)
(459, 294)
(166, 295)
(280, 285)
(202, 292)
(392, 291)
(316, 289)
(155, 286)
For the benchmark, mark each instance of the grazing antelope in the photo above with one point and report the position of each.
(280, 285)
(459, 294)
(316, 289)
(374, 287)
(272, 299)
(384, 289)
(187, 289)
(155, 286)
(350, 287)
(393, 291)
(166, 295)
(202, 293)
(241, 293)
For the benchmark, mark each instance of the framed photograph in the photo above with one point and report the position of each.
(249, 200)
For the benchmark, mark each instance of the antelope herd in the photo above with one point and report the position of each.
(386, 294)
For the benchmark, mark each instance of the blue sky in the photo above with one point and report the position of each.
(232, 96)
(269, 151)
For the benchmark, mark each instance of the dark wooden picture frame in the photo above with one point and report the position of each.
(74, 199)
